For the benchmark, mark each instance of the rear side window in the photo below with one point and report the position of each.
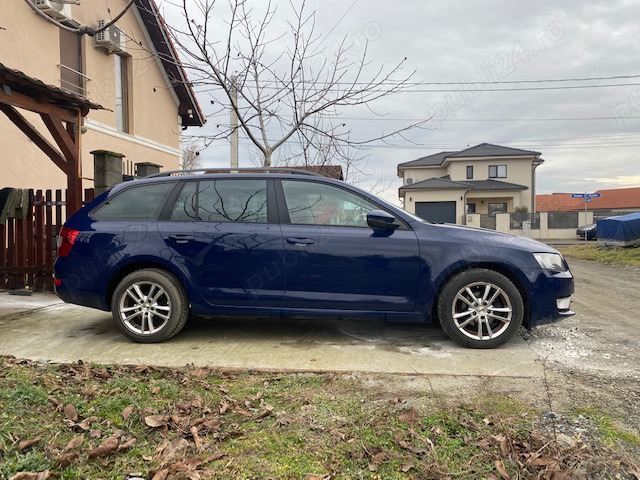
(143, 202)
(222, 201)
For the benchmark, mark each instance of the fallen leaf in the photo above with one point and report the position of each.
(196, 438)
(155, 390)
(155, 421)
(32, 476)
(168, 449)
(501, 470)
(73, 444)
(66, 459)
(22, 446)
(265, 413)
(411, 448)
(86, 423)
(101, 373)
(408, 416)
(70, 412)
(545, 461)
(105, 448)
(317, 476)
(127, 444)
(161, 474)
(126, 413)
(241, 411)
(407, 466)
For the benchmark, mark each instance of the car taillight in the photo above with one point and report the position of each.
(66, 239)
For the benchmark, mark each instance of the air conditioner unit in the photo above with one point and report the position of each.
(56, 10)
(409, 181)
(112, 39)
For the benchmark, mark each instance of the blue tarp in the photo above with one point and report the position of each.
(623, 230)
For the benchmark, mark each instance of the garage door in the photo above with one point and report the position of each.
(437, 212)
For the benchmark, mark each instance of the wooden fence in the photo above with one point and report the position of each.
(28, 245)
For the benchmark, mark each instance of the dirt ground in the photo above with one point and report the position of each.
(591, 359)
(597, 352)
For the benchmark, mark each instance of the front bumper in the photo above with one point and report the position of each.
(550, 298)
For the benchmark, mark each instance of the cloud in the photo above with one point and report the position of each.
(578, 131)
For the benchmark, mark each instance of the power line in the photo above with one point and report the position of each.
(475, 120)
(408, 85)
(463, 145)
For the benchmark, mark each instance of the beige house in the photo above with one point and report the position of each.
(131, 69)
(484, 179)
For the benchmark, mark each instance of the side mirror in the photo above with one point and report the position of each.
(381, 220)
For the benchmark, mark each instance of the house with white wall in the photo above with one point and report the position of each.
(484, 179)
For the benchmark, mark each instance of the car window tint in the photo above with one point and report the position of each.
(185, 207)
(142, 202)
(232, 201)
(311, 203)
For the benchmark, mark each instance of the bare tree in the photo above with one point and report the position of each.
(290, 88)
(191, 156)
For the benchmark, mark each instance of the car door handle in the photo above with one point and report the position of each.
(300, 242)
(181, 238)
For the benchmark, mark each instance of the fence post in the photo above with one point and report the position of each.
(544, 225)
(147, 168)
(107, 170)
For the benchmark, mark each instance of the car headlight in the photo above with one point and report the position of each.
(550, 261)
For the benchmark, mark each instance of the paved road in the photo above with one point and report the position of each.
(602, 335)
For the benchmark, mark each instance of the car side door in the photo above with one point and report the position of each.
(224, 234)
(334, 260)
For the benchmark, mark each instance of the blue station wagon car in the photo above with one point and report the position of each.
(291, 243)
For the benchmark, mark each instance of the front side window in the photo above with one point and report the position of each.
(222, 201)
(497, 171)
(469, 172)
(311, 203)
(143, 202)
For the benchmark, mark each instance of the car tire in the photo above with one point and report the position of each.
(149, 306)
(480, 308)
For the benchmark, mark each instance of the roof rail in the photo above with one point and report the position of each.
(204, 171)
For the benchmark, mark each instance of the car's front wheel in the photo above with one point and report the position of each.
(480, 308)
(149, 306)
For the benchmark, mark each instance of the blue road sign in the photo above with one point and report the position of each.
(586, 195)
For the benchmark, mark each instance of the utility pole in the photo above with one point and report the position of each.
(234, 122)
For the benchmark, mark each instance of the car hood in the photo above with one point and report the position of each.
(474, 234)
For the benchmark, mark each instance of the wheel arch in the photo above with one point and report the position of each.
(445, 277)
(134, 266)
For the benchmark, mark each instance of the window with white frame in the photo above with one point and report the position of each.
(122, 92)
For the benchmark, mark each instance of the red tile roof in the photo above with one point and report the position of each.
(331, 171)
(609, 199)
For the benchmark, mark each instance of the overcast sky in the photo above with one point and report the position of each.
(588, 137)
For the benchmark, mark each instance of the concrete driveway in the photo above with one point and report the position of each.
(40, 327)
(600, 340)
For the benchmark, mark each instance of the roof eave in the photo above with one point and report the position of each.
(189, 109)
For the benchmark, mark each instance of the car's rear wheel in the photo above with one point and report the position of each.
(480, 308)
(149, 306)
